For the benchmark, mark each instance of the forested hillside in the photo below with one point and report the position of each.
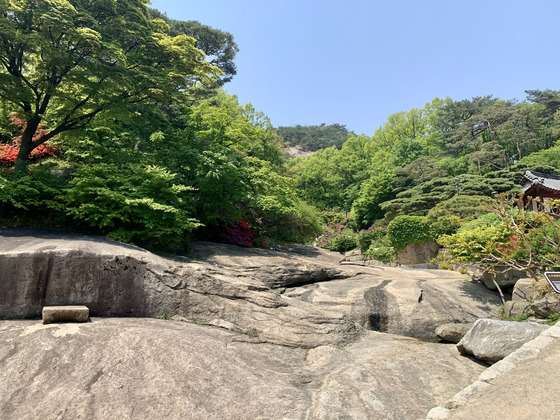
(422, 157)
(114, 120)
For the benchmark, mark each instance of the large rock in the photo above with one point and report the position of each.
(129, 368)
(505, 279)
(410, 302)
(418, 253)
(491, 340)
(524, 290)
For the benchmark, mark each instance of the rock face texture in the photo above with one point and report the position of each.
(492, 340)
(330, 364)
(409, 302)
(295, 296)
(44, 268)
(546, 306)
(129, 368)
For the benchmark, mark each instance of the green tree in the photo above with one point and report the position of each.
(418, 200)
(64, 62)
(219, 46)
(315, 137)
(366, 209)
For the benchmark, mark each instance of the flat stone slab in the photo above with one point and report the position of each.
(65, 313)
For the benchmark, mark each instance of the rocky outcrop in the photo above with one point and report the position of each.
(297, 295)
(409, 302)
(129, 368)
(491, 340)
(39, 268)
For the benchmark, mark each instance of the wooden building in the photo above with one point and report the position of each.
(538, 190)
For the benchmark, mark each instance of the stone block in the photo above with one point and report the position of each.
(65, 313)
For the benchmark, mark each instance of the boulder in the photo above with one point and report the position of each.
(514, 308)
(418, 253)
(492, 340)
(131, 368)
(523, 291)
(453, 333)
(506, 279)
(521, 298)
(546, 306)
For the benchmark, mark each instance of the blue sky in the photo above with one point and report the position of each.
(355, 62)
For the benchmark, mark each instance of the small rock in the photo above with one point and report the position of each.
(453, 333)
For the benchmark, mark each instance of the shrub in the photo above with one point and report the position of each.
(33, 199)
(338, 241)
(367, 237)
(509, 239)
(238, 233)
(404, 230)
(9, 152)
(135, 204)
(285, 219)
(332, 218)
(382, 253)
(552, 319)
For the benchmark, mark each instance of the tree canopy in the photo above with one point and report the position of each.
(484, 143)
(64, 62)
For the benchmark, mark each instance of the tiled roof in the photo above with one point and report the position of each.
(531, 179)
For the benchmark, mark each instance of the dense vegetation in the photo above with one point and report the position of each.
(113, 119)
(314, 137)
(422, 157)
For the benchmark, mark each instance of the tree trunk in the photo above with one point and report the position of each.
(26, 146)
